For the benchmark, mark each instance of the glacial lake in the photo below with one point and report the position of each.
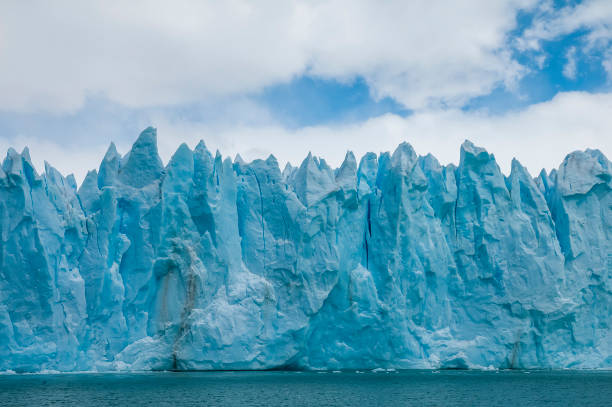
(404, 388)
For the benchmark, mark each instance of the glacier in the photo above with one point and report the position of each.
(395, 261)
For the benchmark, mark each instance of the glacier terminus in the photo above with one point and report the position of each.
(392, 261)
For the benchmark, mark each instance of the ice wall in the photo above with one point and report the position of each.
(395, 261)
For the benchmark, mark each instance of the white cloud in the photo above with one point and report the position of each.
(539, 136)
(143, 53)
(569, 69)
(607, 63)
(593, 16)
(431, 56)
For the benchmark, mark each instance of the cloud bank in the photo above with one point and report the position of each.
(539, 136)
(154, 61)
(143, 53)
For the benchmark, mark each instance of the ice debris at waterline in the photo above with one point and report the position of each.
(392, 262)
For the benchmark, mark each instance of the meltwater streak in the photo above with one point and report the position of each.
(394, 261)
(405, 388)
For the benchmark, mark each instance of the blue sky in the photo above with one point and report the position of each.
(519, 77)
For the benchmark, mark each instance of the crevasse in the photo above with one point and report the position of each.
(395, 262)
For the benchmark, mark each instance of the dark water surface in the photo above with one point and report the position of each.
(406, 388)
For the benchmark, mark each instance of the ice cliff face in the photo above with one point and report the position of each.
(395, 261)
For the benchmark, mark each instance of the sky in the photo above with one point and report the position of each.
(522, 78)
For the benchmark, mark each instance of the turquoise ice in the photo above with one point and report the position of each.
(394, 261)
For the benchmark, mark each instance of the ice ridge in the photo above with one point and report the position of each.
(393, 261)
